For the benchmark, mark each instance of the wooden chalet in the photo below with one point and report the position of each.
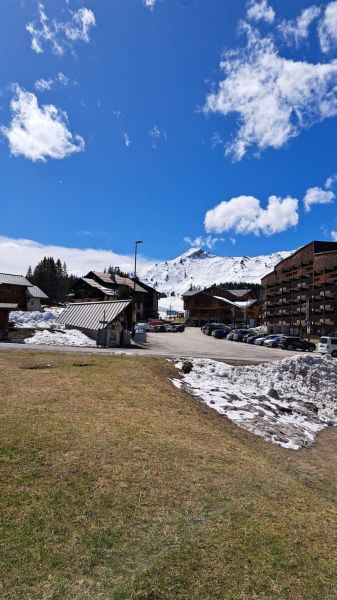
(99, 286)
(220, 305)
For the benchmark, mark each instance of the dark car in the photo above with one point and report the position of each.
(210, 327)
(219, 333)
(180, 327)
(296, 343)
(251, 337)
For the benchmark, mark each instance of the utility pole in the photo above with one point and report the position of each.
(134, 281)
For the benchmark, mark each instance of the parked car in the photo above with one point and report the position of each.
(230, 335)
(328, 345)
(239, 334)
(180, 327)
(207, 329)
(170, 328)
(251, 337)
(260, 339)
(219, 333)
(269, 338)
(273, 342)
(296, 343)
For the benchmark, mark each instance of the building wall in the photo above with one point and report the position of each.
(203, 307)
(301, 293)
(4, 323)
(15, 294)
(34, 304)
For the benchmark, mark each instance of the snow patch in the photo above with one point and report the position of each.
(286, 402)
(35, 319)
(61, 338)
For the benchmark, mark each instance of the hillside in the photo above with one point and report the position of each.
(201, 269)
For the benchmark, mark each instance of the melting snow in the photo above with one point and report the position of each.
(286, 402)
(61, 338)
(35, 319)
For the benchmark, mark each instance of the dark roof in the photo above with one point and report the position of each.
(14, 279)
(115, 279)
(89, 315)
(106, 290)
(35, 292)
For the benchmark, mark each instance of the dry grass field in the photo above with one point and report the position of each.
(117, 486)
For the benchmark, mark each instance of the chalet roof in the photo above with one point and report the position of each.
(102, 288)
(8, 306)
(10, 279)
(192, 292)
(238, 292)
(89, 315)
(34, 292)
(115, 279)
(242, 305)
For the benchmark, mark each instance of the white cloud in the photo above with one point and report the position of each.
(317, 195)
(244, 215)
(17, 254)
(39, 133)
(297, 30)
(150, 4)
(260, 10)
(127, 140)
(43, 85)
(334, 236)
(156, 134)
(60, 35)
(200, 241)
(327, 28)
(331, 181)
(216, 139)
(274, 97)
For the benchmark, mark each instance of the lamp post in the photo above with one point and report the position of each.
(134, 279)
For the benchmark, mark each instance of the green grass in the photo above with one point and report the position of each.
(117, 486)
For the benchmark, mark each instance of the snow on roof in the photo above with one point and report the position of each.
(34, 292)
(102, 288)
(116, 279)
(237, 292)
(11, 279)
(8, 306)
(243, 304)
(192, 292)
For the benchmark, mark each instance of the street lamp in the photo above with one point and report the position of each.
(134, 283)
(135, 273)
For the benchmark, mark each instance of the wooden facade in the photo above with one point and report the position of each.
(300, 295)
(97, 286)
(219, 305)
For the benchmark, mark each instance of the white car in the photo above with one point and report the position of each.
(328, 345)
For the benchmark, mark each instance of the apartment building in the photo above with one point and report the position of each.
(300, 295)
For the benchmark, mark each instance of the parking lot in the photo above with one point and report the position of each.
(194, 343)
(191, 343)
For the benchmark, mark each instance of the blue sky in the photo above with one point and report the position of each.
(149, 138)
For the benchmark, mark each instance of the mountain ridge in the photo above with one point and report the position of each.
(199, 268)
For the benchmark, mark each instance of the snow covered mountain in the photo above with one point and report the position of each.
(201, 269)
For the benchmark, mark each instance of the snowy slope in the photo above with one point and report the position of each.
(199, 268)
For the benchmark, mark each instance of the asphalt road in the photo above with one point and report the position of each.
(191, 343)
